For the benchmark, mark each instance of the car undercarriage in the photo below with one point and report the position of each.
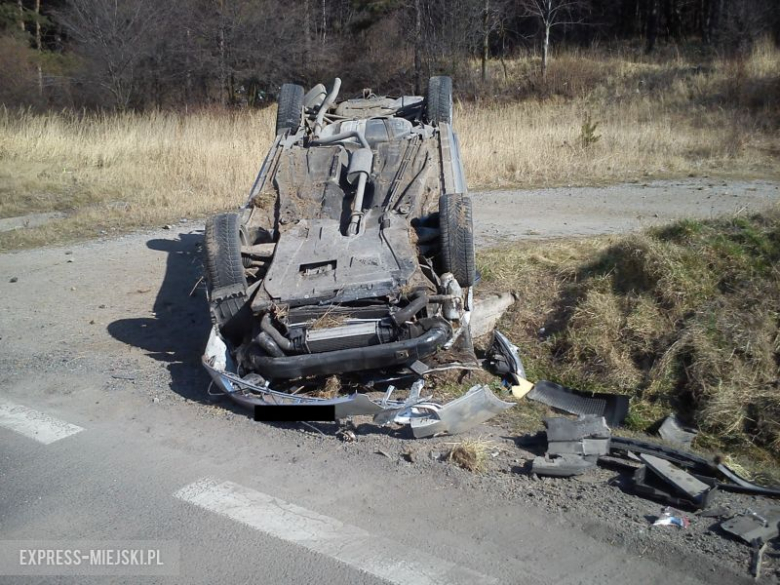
(353, 257)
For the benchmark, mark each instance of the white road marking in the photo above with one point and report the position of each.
(353, 546)
(34, 424)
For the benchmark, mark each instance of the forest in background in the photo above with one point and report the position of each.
(145, 54)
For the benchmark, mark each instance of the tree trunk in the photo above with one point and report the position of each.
(222, 55)
(652, 25)
(485, 39)
(21, 15)
(188, 71)
(324, 22)
(716, 12)
(38, 45)
(306, 57)
(418, 48)
(545, 49)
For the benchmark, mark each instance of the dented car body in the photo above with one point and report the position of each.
(353, 257)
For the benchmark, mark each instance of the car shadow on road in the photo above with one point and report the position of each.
(177, 331)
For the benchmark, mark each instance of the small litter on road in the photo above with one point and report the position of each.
(668, 519)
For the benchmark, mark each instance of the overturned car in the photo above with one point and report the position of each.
(353, 256)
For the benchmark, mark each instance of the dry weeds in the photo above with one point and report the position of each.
(471, 454)
(665, 117)
(329, 390)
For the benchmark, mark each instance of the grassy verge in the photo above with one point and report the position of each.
(683, 318)
(600, 118)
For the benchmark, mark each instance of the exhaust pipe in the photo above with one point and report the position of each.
(325, 105)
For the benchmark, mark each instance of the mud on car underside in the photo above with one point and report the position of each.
(353, 256)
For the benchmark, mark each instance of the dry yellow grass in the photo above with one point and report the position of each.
(125, 171)
(655, 118)
(471, 454)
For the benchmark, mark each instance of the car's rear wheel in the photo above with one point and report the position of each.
(289, 108)
(457, 237)
(438, 101)
(224, 268)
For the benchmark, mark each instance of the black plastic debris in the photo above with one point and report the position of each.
(561, 465)
(660, 481)
(573, 446)
(760, 525)
(689, 461)
(613, 407)
(587, 437)
(504, 358)
(682, 482)
(646, 484)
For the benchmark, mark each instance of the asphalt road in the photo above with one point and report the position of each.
(116, 439)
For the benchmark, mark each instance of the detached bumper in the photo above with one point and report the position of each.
(460, 415)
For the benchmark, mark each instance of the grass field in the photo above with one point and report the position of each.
(648, 118)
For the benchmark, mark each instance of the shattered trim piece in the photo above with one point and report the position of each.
(646, 484)
(672, 431)
(478, 405)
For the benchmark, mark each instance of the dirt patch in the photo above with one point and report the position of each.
(30, 220)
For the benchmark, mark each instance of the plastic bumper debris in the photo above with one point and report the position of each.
(760, 525)
(426, 418)
(672, 431)
(561, 465)
(478, 405)
(613, 407)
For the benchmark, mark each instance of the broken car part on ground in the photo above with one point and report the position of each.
(353, 257)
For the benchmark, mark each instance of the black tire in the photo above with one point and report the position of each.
(289, 108)
(438, 101)
(457, 237)
(224, 268)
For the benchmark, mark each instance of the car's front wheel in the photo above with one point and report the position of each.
(457, 237)
(224, 268)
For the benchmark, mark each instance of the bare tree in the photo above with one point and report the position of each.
(115, 37)
(38, 45)
(551, 14)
